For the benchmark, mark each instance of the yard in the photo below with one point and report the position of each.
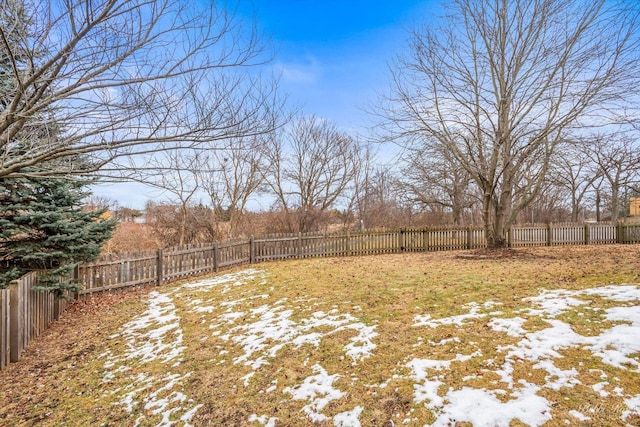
(540, 336)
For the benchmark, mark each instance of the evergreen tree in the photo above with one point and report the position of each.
(43, 227)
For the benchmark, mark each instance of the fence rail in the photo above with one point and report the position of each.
(25, 313)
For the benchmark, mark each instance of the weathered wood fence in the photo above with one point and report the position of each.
(25, 313)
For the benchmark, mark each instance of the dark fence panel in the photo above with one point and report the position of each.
(630, 233)
(110, 274)
(24, 314)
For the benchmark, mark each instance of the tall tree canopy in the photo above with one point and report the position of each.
(503, 83)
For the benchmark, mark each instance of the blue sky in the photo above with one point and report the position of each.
(333, 54)
(332, 57)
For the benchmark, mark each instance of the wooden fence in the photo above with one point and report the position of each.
(25, 313)
(156, 268)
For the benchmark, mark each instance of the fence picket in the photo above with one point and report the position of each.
(5, 333)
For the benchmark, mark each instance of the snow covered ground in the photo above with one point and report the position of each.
(482, 407)
(261, 330)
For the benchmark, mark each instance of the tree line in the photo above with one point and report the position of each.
(502, 111)
(419, 190)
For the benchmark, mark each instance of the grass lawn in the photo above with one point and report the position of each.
(541, 336)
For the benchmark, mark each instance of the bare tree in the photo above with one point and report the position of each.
(573, 171)
(178, 178)
(617, 159)
(164, 220)
(118, 77)
(433, 179)
(552, 204)
(378, 205)
(308, 168)
(363, 163)
(232, 176)
(503, 83)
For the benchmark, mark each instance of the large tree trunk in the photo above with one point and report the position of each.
(615, 201)
(493, 223)
(496, 215)
(457, 203)
(575, 208)
(495, 228)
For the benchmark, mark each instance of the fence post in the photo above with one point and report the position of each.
(401, 240)
(56, 308)
(124, 271)
(347, 243)
(620, 232)
(587, 234)
(76, 279)
(216, 251)
(252, 250)
(160, 267)
(549, 234)
(469, 238)
(16, 321)
(299, 248)
(425, 240)
(5, 325)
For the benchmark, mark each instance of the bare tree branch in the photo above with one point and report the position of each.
(120, 78)
(309, 173)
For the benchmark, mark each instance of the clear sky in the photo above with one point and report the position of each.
(332, 56)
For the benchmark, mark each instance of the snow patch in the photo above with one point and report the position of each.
(348, 418)
(272, 328)
(319, 390)
(460, 320)
(264, 420)
(579, 415)
(616, 346)
(512, 327)
(156, 336)
(153, 336)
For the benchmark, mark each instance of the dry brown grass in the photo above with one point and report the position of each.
(61, 378)
(131, 237)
